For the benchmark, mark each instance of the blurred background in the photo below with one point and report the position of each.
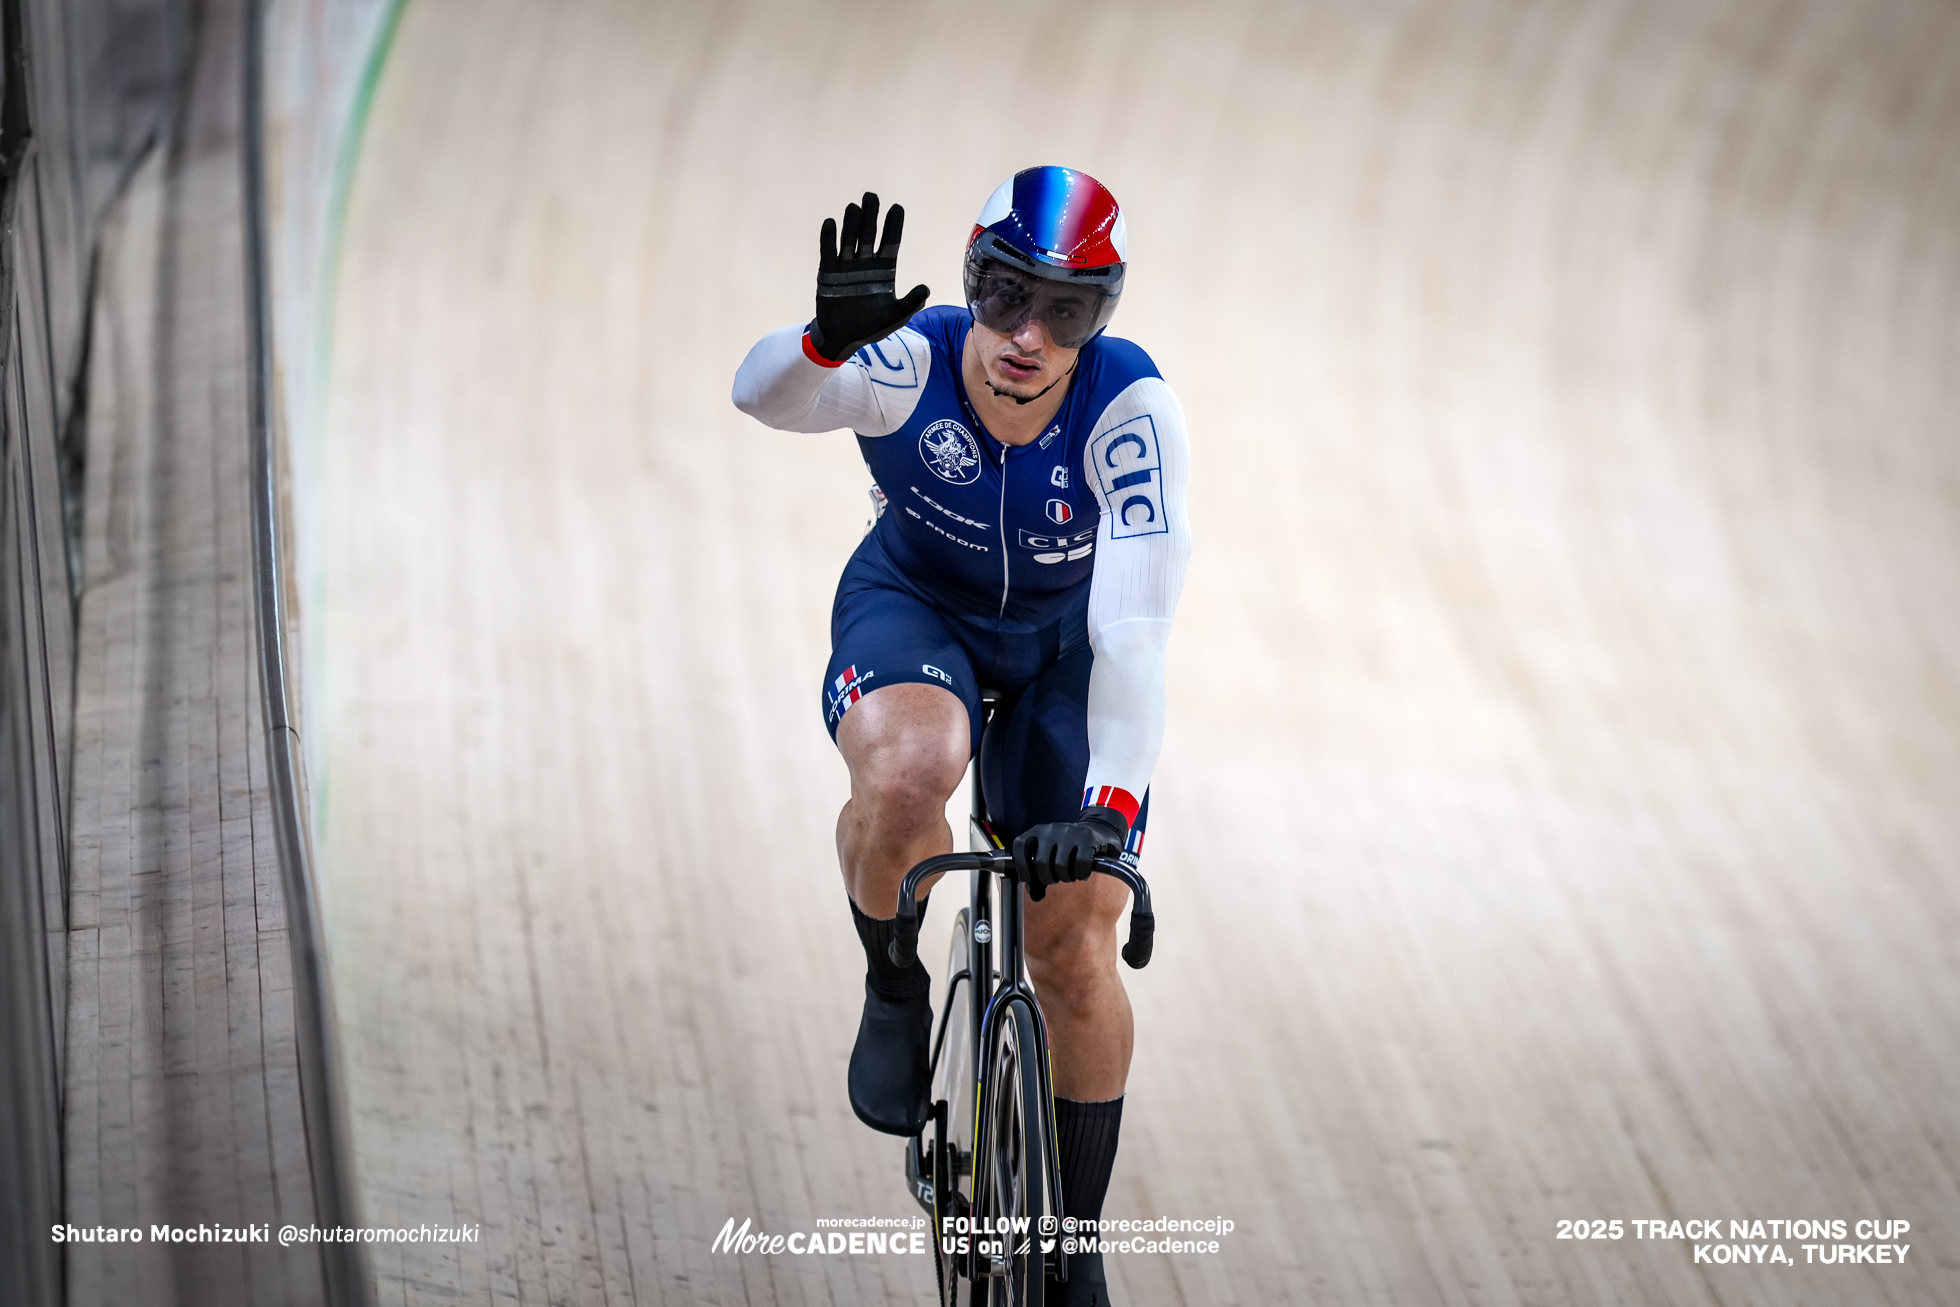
(1558, 813)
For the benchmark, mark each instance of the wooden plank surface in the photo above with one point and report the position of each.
(182, 1094)
(1557, 818)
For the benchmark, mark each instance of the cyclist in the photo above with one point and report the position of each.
(1029, 476)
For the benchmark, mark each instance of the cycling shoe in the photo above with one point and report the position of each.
(891, 1073)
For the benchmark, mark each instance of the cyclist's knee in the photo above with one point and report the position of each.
(1073, 958)
(906, 780)
(1075, 979)
(906, 746)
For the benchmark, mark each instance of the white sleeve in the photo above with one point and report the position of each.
(1137, 463)
(873, 392)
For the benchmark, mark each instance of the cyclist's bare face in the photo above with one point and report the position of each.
(1024, 364)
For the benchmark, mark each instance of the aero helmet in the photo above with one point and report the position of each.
(1049, 244)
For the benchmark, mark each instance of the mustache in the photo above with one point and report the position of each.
(1029, 399)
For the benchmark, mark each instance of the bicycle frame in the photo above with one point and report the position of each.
(990, 1007)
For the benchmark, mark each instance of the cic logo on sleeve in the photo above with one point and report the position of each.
(1131, 477)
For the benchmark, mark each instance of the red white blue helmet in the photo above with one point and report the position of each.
(1049, 243)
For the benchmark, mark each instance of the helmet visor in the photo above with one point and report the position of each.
(1005, 299)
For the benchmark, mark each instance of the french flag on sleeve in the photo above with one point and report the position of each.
(1109, 796)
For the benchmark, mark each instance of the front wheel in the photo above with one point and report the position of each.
(1010, 1174)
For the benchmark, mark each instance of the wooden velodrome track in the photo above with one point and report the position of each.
(1560, 815)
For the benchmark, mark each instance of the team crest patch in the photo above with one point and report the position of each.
(1059, 511)
(952, 453)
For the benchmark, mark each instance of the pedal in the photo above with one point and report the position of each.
(919, 1168)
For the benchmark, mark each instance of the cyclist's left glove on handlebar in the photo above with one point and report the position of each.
(1067, 850)
(856, 284)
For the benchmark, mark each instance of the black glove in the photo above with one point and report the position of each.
(1067, 850)
(855, 303)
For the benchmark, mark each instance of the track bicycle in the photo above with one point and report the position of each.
(985, 1167)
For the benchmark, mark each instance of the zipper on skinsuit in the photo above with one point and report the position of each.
(1003, 532)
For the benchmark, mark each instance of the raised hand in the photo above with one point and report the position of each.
(856, 303)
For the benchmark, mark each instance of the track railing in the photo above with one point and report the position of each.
(322, 1104)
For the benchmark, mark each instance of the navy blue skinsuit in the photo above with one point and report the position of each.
(977, 573)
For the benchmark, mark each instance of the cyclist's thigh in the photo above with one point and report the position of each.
(882, 637)
(1038, 758)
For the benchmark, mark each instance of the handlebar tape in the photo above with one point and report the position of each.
(1143, 926)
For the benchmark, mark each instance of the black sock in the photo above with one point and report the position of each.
(889, 981)
(1085, 1144)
